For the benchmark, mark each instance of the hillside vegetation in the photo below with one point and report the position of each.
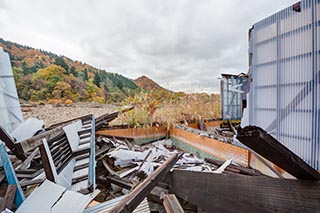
(44, 76)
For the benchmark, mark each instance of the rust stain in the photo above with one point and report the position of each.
(207, 123)
(134, 132)
(212, 147)
(213, 123)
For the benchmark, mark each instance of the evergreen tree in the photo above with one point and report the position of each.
(97, 79)
(60, 62)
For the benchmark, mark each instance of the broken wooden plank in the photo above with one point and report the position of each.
(47, 161)
(267, 146)
(26, 183)
(120, 182)
(233, 168)
(171, 204)
(239, 193)
(267, 164)
(157, 193)
(8, 198)
(134, 198)
(106, 165)
(105, 119)
(14, 147)
(64, 123)
(27, 162)
(32, 143)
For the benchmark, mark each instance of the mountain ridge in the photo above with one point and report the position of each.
(86, 82)
(147, 83)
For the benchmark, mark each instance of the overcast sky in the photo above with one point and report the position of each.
(183, 45)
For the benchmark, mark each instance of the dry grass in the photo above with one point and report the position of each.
(169, 109)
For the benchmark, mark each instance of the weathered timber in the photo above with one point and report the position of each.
(26, 183)
(27, 161)
(47, 162)
(242, 170)
(157, 193)
(267, 146)
(267, 164)
(14, 147)
(120, 182)
(8, 198)
(239, 193)
(105, 119)
(134, 198)
(171, 204)
(31, 143)
(64, 123)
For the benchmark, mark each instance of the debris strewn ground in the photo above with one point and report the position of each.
(53, 113)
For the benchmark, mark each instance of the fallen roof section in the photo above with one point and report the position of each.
(239, 193)
(267, 146)
(51, 197)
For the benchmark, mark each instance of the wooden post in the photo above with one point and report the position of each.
(11, 175)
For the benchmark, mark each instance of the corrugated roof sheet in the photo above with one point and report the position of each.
(50, 197)
(106, 206)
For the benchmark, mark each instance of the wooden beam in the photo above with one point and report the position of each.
(8, 198)
(47, 162)
(171, 204)
(31, 143)
(239, 193)
(14, 147)
(231, 167)
(120, 182)
(267, 146)
(64, 123)
(26, 162)
(135, 197)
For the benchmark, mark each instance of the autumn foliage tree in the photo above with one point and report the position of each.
(41, 76)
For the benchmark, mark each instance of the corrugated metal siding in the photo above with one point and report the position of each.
(231, 101)
(108, 205)
(11, 115)
(50, 197)
(285, 92)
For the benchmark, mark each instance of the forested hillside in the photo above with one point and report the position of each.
(44, 76)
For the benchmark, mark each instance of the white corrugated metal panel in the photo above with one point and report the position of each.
(285, 91)
(50, 197)
(106, 206)
(11, 115)
(71, 131)
(27, 129)
(65, 176)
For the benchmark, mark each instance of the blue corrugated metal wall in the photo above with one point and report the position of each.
(284, 96)
(230, 101)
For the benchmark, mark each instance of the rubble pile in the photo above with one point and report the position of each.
(78, 165)
(123, 165)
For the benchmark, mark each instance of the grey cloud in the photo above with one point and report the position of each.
(183, 45)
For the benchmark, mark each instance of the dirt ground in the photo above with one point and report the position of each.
(52, 114)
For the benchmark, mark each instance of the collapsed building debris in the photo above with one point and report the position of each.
(119, 169)
(58, 200)
(238, 193)
(70, 159)
(13, 195)
(267, 146)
